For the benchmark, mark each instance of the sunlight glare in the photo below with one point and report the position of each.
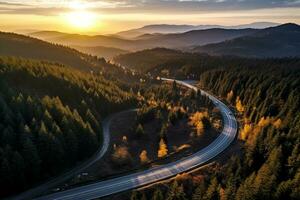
(81, 19)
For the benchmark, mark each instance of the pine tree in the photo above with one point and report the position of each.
(176, 192)
(158, 195)
(139, 131)
(134, 196)
(212, 192)
(200, 191)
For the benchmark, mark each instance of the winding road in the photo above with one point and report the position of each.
(139, 179)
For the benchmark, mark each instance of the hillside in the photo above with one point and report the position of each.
(148, 59)
(280, 41)
(19, 45)
(263, 163)
(50, 119)
(105, 52)
(190, 65)
(23, 46)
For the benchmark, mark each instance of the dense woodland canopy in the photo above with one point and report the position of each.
(50, 119)
(50, 115)
(173, 63)
(268, 166)
(12, 44)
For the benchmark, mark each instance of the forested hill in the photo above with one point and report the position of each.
(147, 60)
(167, 62)
(50, 119)
(267, 100)
(280, 41)
(12, 44)
(267, 104)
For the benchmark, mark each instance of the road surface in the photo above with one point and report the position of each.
(77, 170)
(139, 179)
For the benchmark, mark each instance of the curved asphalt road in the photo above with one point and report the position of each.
(112, 186)
(77, 170)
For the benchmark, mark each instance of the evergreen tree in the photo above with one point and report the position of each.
(176, 192)
(158, 195)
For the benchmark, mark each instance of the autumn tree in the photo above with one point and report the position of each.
(239, 106)
(143, 157)
(196, 120)
(121, 156)
(162, 150)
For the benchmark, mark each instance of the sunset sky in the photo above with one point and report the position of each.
(109, 16)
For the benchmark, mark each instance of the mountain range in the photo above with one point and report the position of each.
(169, 28)
(280, 41)
(174, 40)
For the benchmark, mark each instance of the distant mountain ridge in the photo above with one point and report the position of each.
(280, 41)
(175, 40)
(168, 28)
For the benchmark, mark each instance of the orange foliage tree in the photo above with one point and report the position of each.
(143, 157)
(196, 120)
(239, 106)
(163, 150)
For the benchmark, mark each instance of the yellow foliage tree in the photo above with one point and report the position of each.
(245, 131)
(143, 157)
(163, 150)
(197, 116)
(277, 123)
(239, 106)
(256, 129)
(264, 121)
(196, 120)
(200, 128)
(229, 96)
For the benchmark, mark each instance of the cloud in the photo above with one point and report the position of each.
(46, 7)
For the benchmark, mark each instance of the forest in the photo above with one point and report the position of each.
(170, 122)
(182, 65)
(50, 119)
(266, 101)
(60, 54)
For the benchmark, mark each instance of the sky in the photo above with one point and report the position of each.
(110, 16)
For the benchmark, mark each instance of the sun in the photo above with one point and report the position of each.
(79, 17)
